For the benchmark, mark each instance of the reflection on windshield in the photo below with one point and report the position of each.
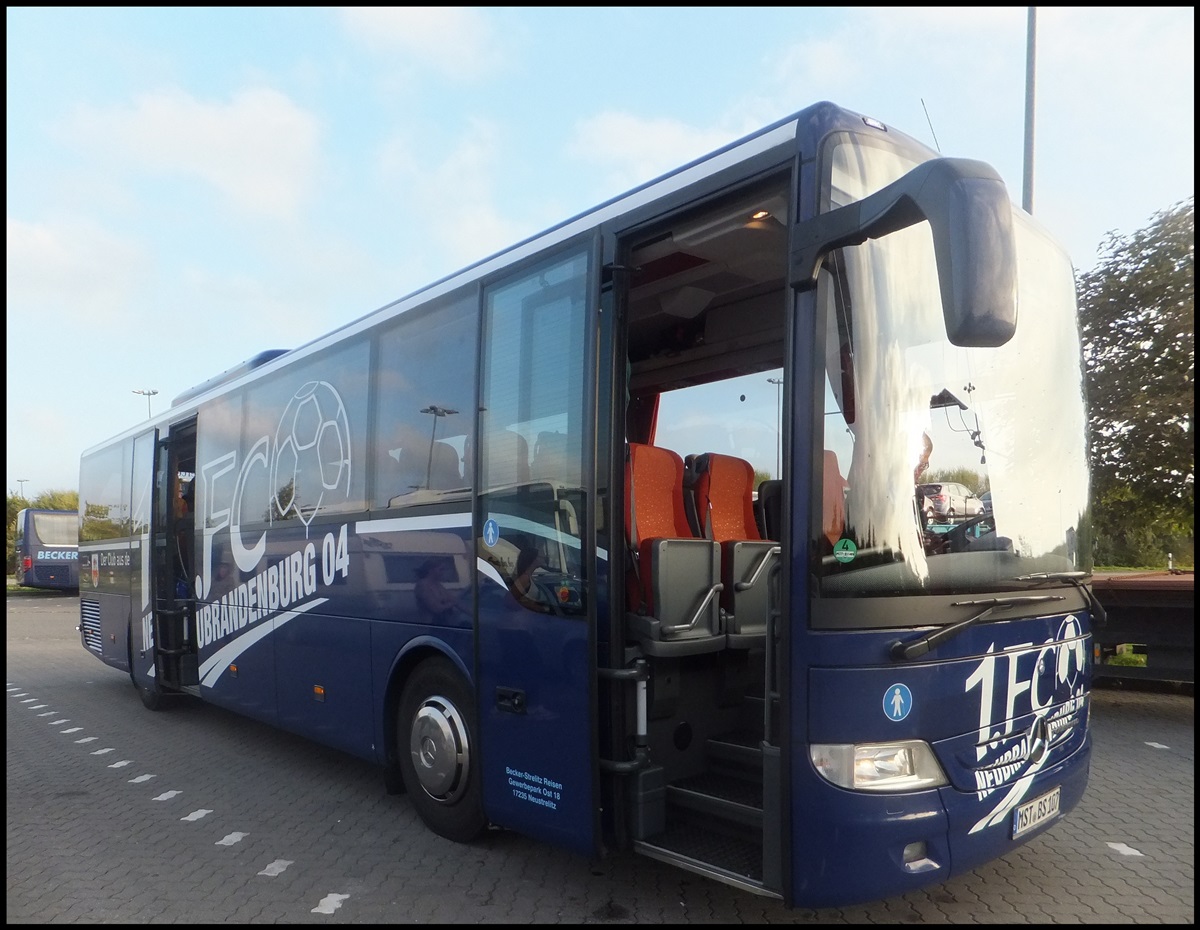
(947, 468)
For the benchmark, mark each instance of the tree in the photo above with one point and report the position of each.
(16, 503)
(1137, 312)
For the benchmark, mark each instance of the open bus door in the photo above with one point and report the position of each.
(536, 614)
(172, 569)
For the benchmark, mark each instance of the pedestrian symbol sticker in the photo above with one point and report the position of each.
(844, 550)
(897, 701)
(491, 533)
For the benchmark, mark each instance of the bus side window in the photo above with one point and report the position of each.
(421, 422)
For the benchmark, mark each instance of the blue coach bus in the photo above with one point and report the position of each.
(614, 538)
(47, 549)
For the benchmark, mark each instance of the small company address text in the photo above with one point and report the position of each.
(535, 789)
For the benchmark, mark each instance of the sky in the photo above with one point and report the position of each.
(187, 187)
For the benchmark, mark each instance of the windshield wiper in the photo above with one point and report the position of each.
(918, 647)
(1076, 579)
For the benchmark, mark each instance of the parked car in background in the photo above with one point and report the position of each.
(986, 499)
(947, 501)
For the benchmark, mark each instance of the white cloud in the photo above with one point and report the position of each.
(896, 63)
(907, 23)
(454, 41)
(842, 66)
(453, 202)
(71, 271)
(260, 149)
(1115, 131)
(634, 150)
(960, 85)
(272, 311)
(70, 286)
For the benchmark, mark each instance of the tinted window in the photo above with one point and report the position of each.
(104, 493)
(425, 390)
(532, 429)
(308, 425)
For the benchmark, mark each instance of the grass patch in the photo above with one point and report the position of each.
(1128, 659)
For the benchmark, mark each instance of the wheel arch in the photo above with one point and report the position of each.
(409, 658)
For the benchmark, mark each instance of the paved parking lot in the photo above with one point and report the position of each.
(194, 815)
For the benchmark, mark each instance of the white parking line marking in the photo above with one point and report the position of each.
(55, 723)
(100, 752)
(38, 707)
(141, 778)
(167, 795)
(276, 868)
(71, 730)
(230, 839)
(1123, 849)
(48, 713)
(330, 903)
(121, 764)
(197, 815)
(1156, 745)
(29, 701)
(87, 739)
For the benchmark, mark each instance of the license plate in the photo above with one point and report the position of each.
(1034, 813)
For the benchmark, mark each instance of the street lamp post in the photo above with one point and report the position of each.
(149, 392)
(21, 482)
(1030, 68)
(778, 382)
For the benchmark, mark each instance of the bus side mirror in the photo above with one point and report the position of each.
(970, 216)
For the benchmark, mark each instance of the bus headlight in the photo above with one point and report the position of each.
(904, 765)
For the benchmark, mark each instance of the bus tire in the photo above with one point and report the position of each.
(151, 698)
(435, 745)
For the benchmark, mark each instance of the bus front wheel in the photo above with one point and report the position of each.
(435, 730)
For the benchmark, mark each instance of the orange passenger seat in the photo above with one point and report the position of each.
(723, 486)
(673, 581)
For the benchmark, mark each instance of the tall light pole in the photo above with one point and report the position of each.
(1030, 44)
(149, 392)
(21, 482)
(438, 413)
(778, 382)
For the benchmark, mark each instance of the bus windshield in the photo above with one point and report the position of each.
(946, 469)
(56, 528)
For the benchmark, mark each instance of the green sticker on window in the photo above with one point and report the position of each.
(844, 550)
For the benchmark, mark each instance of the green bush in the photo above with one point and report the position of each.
(1130, 659)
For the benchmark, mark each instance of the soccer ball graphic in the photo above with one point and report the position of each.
(312, 453)
(1071, 655)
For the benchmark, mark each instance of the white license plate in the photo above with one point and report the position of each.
(1032, 814)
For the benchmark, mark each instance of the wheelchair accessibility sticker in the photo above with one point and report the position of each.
(897, 701)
